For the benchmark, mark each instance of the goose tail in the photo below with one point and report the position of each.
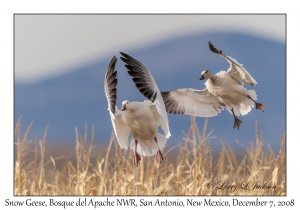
(248, 104)
(252, 94)
(244, 107)
(149, 147)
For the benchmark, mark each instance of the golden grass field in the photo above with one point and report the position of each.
(194, 171)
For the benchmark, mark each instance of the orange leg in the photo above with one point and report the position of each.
(159, 156)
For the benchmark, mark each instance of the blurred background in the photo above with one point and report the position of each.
(60, 62)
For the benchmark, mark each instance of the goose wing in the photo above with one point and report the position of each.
(160, 119)
(110, 83)
(236, 70)
(146, 84)
(192, 102)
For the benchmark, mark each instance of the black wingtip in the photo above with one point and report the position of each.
(111, 82)
(113, 59)
(213, 49)
(125, 55)
(131, 63)
(124, 59)
(165, 94)
(128, 59)
(113, 62)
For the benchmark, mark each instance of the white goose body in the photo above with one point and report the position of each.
(140, 121)
(230, 93)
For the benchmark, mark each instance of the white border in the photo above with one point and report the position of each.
(8, 8)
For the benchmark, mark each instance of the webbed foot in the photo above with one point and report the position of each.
(237, 123)
(259, 106)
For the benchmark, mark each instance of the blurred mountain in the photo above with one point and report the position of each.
(77, 98)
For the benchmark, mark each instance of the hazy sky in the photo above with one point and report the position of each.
(49, 45)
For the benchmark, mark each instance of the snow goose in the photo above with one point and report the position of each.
(140, 119)
(229, 87)
(222, 89)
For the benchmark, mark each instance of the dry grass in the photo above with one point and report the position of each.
(195, 172)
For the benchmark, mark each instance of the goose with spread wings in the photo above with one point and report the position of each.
(222, 89)
(139, 119)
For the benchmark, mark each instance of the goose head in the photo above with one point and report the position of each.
(125, 105)
(205, 74)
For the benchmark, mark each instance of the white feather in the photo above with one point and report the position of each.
(120, 128)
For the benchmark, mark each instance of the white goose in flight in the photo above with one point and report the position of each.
(222, 89)
(140, 119)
